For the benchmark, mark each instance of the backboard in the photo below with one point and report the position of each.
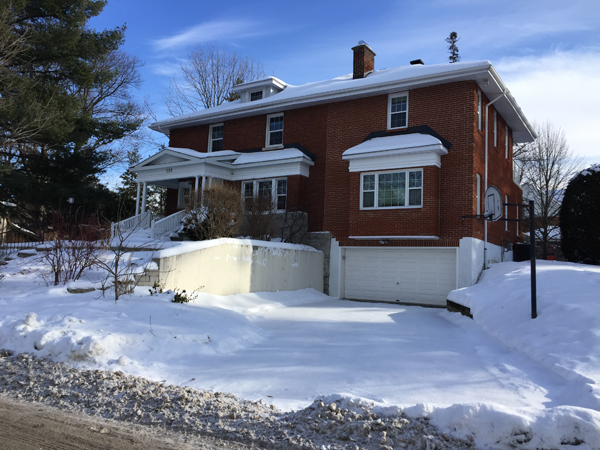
(493, 204)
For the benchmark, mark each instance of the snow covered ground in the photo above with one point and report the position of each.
(509, 381)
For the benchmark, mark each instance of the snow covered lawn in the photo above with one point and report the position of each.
(506, 379)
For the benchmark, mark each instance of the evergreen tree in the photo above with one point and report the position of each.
(65, 96)
(156, 196)
(452, 39)
(580, 218)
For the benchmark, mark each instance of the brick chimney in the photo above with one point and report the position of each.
(364, 60)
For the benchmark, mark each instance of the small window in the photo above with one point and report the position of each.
(398, 111)
(184, 194)
(479, 105)
(274, 190)
(281, 195)
(274, 130)
(506, 141)
(256, 96)
(495, 129)
(392, 189)
(215, 138)
(247, 193)
(478, 196)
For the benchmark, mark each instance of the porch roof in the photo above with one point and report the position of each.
(171, 164)
(394, 152)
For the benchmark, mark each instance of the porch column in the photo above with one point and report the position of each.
(137, 200)
(144, 197)
(196, 187)
(203, 187)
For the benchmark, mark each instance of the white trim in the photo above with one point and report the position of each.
(396, 238)
(376, 191)
(389, 110)
(505, 141)
(495, 128)
(429, 158)
(478, 194)
(268, 131)
(274, 195)
(479, 108)
(210, 138)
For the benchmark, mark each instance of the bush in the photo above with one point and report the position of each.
(217, 213)
(183, 296)
(580, 218)
(260, 213)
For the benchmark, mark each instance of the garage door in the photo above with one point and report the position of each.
(422, 276)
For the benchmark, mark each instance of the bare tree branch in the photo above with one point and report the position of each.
(208, 78)
(547, 166)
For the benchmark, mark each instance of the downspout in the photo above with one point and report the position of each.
(485, 177)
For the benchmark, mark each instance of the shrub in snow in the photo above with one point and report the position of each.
(260, 214)
(183, 296)
(213, 214)
(580, 217)
(74, 250)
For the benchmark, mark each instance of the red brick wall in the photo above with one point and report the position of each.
(331, 194)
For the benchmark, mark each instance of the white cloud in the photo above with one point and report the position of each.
(561, 87)
(210, 32)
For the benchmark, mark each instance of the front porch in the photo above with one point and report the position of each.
(188, 173)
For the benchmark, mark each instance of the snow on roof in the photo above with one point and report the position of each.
(335, 86)
(197, 154)
(589, 170)
(414, 141)
(274, 155)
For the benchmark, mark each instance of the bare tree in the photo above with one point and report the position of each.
(208, 78)
(547, 165)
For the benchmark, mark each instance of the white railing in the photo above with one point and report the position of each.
(141, 221)
(168, 224)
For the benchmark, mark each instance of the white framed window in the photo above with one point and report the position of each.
(392, 189)
(506, 141)
(398, 111)
(215, 137)
(184, 194)
(478, 195)
(256, 95)
(495, 129)
(274, 130)
(479, 106)
(506, 212)
(274, 189)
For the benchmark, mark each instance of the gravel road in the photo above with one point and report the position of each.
(188, 413)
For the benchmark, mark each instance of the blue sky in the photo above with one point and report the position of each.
(547, 52)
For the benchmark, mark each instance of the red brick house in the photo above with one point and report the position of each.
(386, 160)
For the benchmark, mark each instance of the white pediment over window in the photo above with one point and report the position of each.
(167, 159)
(394, 152)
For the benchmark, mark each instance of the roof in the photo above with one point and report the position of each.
(404, 142)
(378, 82)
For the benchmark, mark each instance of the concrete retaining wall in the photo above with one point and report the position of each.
(234, 266)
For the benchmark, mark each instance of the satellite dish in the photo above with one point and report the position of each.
(493, 204)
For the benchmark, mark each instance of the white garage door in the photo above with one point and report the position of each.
(410, 275)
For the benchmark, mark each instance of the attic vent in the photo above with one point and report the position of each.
(417, 62)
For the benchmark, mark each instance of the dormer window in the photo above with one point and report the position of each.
(259, 89)
(274, 130)
(215, 138)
